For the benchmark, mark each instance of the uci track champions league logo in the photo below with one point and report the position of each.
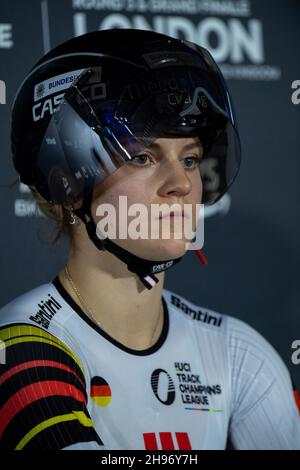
(192, 393)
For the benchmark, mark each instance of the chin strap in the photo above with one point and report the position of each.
(145, 269)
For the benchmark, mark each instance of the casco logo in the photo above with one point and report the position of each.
(49, 87)
(47, 107)
(160, 267)
(96, 90)
(2, 92)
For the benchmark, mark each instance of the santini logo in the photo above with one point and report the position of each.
(196, 314)
(47, 311)
(2, 92)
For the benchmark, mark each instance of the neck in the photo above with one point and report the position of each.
(118, 301)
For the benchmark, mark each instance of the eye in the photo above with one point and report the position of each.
(193, 161)
(141, 159)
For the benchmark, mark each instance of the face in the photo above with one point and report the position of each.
(167, 172)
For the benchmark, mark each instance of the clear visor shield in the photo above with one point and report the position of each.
(116, 110)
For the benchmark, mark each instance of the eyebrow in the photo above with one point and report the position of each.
(185, 147)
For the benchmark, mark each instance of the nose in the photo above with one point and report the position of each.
(175, 180)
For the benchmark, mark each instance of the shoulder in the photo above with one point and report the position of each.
(264, 408)
(242, 339)
(26, 306)
(261, 381)
(208, 318)
(40, 315)
(28, 329)
(250, 346)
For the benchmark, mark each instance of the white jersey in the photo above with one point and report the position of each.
(66, 384)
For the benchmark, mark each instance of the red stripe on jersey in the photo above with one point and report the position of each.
(32, 393)
(30, 364)
(166, 441)
(183, 441)
(150, 441)
(297, 399)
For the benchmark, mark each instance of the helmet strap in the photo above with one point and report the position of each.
(145, 269)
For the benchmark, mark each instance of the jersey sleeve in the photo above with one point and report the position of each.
(43, 397)
(264, 409)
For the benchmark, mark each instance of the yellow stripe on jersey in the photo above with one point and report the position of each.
(13, 330)
(25, 339)
(23, 333)
(28, 330)
(75, 415)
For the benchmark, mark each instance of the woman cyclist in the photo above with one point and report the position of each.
(103, 357)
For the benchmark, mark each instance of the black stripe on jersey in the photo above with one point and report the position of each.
(293, 382)
(7, 333)
(37, 375)
(62, 435)
(296, 393)
(38, 412)
(30, 351)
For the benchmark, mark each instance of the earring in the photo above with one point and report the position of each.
(73, 217)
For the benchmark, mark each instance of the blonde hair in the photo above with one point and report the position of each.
(56, 212)
(59, 214)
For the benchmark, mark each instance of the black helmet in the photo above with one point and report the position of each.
(93, 102)
(116, 86)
